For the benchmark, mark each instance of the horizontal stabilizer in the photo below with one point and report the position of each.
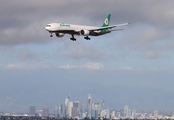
(117, 30)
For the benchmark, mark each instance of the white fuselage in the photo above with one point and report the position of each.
(73, 29)
(53, 27)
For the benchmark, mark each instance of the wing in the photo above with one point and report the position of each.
(109, 27)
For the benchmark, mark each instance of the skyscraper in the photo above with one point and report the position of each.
(155, 113)
(69, 109)
(63, 110)
(133, 113)
(67, 99)
(105, 113)
(89, 105)
(46, 112)
(101, 105)
(74, 111)
(126, 111)
(56, 111)
(78, 105)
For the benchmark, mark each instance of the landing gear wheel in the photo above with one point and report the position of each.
(87, 38)
(72, 38)
(51, 35)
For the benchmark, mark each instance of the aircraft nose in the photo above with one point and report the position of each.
(47, 27)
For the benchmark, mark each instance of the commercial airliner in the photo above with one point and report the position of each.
(60, 29)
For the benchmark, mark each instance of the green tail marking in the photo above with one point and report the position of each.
(107, 21)
(105, 24)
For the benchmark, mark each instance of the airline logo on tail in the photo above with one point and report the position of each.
(107, 21)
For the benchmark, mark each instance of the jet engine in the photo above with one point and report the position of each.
(59, 34)
(84, 32)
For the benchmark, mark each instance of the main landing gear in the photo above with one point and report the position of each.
(87, 38)
(72, 38)
(51, 35)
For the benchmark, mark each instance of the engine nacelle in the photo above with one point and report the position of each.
(59, 34)
(84, 32)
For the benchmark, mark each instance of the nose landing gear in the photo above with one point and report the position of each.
(51, 35)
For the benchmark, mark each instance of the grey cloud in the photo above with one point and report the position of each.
(25, 20)
(150, 42)
(94, 66)
(151, 26)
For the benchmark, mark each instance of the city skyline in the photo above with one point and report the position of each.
(126, 110)
(93, 109)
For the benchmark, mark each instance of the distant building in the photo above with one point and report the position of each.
(155, 113)
(129, 113)
(74, 112)
(113, 114)
(89, 105)
(39, 112)
(63, 110)
(118, 115)
(133, 113)
(84, 111)
(32, 110)
(67, 99)
(101, 105)
(79, 107)
(126, 111)
(69, 109)
(105, 113)
(46, 112)
(94, 113)
(56, 111)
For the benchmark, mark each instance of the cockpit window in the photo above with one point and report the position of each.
(48, 25)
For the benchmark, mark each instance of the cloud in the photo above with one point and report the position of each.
(125, 68)
(25, 66)
(144, 41)
(96, 66)
(158, 69)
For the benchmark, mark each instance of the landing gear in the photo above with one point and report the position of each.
(87, 38)
(51, 35)
(72, 38)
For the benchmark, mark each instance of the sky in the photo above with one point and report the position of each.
(131, 67)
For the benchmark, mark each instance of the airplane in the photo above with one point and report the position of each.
(60, 29)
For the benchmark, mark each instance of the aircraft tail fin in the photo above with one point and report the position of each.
(107, 21)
